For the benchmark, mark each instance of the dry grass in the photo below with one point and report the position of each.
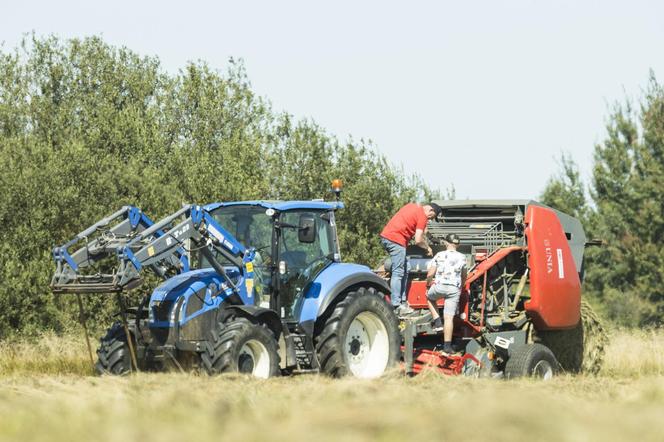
(635, 353)
(49, 354)
(46, 394)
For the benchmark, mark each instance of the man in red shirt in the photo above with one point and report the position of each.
(410, 221)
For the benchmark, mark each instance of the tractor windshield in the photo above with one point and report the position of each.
(248, 224)
(252, 227)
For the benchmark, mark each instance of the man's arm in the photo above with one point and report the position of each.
(430, 273)
(421, 241)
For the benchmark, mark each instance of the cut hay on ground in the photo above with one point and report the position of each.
(46, 393)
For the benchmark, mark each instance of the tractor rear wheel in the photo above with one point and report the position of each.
(113, 354)
(360, 337)
(580, 349)
(241, 346)
(531, 360)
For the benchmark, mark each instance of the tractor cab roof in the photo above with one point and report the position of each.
(282, 205)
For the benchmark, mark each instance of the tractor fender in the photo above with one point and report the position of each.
(260, 314)
(328, 286)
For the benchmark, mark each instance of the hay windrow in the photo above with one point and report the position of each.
(582, 348)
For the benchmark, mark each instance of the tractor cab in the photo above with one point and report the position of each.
(294, 241)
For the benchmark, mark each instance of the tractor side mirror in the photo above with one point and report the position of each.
(306, 231)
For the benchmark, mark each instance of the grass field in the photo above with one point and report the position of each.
(47, 393)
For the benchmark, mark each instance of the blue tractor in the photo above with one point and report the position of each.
(255, 287)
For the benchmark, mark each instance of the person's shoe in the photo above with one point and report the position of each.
(437, 325)
(447, 350)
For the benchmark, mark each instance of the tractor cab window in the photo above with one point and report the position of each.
(304, 257)
(253, 228)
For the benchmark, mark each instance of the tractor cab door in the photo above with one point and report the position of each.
(307, 245)
(253, 227)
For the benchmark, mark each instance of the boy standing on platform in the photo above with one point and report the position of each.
(449, 269)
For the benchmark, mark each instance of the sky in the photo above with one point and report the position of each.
(482, 96)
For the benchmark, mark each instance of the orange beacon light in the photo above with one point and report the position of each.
(337, 185)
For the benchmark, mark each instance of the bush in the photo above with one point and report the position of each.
(86, 128)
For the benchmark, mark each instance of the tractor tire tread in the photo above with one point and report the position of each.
(218, 355)
(518, 364)
(329, 342)
(113, 354)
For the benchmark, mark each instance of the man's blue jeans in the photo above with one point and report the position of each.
(398, 282)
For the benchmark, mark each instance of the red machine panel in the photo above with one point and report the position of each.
(417, 295)
(555, 288)
(417, 299)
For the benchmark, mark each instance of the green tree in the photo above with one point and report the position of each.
(626, 275)
(566, 191)
(86, 128)
(628, 193)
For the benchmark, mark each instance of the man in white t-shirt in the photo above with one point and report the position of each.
(448, 271)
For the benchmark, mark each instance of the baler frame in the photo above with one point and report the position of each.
(518, 252)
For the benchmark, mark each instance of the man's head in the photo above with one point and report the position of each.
(451, 241)
(432, 210)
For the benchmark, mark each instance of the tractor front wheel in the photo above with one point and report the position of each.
(531, 360)
(241, 346)
(360, 337)
(113, 354)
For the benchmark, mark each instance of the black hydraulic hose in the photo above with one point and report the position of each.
(217, 267)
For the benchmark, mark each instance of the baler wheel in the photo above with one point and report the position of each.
(113, 354)
(531, 360)
(580, 349)
(241, 346)
(360, 337)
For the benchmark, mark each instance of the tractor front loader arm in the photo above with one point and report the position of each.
(198, 226)
(83, 270)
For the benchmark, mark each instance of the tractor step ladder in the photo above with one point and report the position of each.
(305, 354)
